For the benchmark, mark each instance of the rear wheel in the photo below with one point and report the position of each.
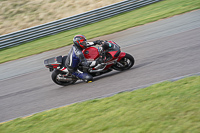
(125, 63)
(59, 78)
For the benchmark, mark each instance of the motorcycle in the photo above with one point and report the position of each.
(110, 59)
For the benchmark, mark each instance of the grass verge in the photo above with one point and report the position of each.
(20, 14)
(136, 17)
(164, 107)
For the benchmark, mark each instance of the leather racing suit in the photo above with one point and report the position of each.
(75, 56)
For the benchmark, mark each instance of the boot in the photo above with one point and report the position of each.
(83, 76)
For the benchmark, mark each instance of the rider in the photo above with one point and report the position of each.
(75, 56)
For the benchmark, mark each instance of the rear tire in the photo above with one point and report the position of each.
(127, 62)
(55, 75)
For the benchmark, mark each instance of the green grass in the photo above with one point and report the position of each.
(137, 17)
(20, 14)
(165, 107)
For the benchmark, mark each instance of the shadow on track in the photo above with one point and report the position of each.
(119, 72)
(110, 74)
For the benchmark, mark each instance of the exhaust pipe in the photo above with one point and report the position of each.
(65, 79)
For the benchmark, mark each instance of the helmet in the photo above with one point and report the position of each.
(80, 41)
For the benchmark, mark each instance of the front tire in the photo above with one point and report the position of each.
(55, 75)
(125, 63)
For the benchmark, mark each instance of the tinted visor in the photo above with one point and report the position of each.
(84, 43)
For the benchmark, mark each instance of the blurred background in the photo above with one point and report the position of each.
(20, 14)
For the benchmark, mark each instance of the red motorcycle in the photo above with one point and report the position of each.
(110, 59)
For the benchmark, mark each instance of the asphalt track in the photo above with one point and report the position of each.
(163, 50)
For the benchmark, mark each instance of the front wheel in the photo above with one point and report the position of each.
(125, 63)
(59, 78)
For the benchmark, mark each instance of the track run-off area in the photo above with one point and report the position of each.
(163, 50)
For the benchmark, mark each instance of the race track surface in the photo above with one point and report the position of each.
(163, 50)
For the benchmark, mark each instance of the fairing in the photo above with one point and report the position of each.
(122, 54)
